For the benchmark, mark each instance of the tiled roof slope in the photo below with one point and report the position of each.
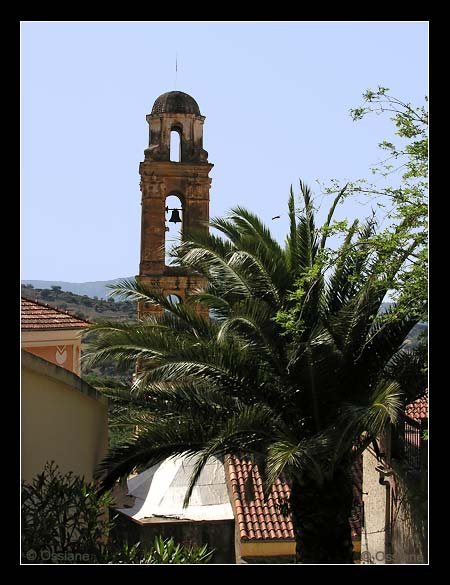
(259, 519)
(418, 409)
(36, 316)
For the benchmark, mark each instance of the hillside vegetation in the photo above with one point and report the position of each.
(83, 306)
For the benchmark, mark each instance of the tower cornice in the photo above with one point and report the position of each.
(160, 169)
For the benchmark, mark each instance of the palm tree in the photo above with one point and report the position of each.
(294, 370)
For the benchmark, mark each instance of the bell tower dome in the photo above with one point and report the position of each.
(187, 177)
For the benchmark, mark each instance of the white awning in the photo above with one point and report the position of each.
(160, 491)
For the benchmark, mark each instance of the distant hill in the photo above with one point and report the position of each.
(83, 306)
(91, 289)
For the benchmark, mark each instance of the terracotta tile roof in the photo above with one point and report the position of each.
(259, 519)
(418, 409)
(37, 316)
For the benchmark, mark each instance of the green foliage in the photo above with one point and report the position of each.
(118, 431)
(412, 125)
(293, 370)
(165, 551)
(296, 371)
(404, 202)
(126, 554)
(63, 519)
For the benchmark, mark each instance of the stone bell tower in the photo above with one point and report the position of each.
(188, 179)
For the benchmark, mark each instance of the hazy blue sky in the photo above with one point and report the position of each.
(276, 97)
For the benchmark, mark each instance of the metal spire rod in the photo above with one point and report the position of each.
(176, 69)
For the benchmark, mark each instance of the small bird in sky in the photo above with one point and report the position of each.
(276, 216)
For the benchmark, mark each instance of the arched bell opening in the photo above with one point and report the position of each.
(173, 225)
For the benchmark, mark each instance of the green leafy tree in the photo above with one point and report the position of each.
(402, 206)
(294, 370)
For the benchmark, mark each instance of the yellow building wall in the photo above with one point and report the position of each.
(281, 548)
(267, 549)
(63, 419)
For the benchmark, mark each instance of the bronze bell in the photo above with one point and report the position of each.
(175, 217)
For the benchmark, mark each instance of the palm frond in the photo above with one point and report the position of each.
(156, 440)
(331, 211)
(231, 281)
(372, 416)
(251, 225)
(408, 369)
(306, 233)
(296, 459)
(291, 240)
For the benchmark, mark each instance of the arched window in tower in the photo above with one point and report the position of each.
(175, 299)
(173, 225)
(175, 144)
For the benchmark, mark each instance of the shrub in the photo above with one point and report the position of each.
(65, 520)
(163, 552)
(167, 552)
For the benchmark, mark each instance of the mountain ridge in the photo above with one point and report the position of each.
(95, 288)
